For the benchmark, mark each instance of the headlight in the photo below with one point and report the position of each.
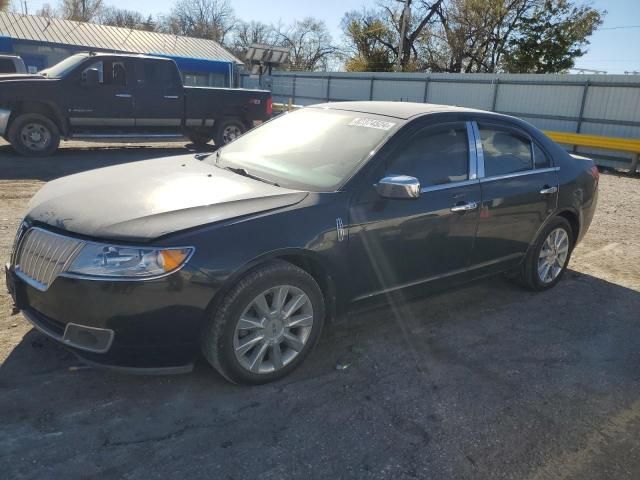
(99, 260)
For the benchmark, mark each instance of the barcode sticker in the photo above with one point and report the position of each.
(371, 123)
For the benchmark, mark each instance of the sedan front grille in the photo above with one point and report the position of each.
(41, 256)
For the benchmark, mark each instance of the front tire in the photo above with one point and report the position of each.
(547, 260)
(34, 135)
(199, 139)
(266, 325)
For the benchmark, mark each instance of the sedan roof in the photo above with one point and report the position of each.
(401, 110)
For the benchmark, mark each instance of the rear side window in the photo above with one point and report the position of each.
(434, 156)
(160, 74)
(7, 66)
(504, 152)
(540, 158)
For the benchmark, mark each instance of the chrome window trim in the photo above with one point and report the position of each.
(519, 174)
(479, 151)
(473, 153)
(446, 186)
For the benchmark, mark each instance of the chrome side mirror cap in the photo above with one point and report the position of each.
(398, 186)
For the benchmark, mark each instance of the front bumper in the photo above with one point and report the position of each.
(140, 327)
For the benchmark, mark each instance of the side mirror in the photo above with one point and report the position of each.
(91, 76)
(398, 186)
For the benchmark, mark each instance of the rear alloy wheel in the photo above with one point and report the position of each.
(266, 325)
(227, 131)
(548, 257)
(32, 134)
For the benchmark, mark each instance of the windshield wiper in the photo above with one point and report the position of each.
(245, 173)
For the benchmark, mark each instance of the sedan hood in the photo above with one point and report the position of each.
(144, 200)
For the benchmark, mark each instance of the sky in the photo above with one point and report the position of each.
(612, 49)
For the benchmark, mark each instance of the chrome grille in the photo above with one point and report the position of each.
(42, 256)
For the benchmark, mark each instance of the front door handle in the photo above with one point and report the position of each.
(123, 95)
(548, 190)
(464, 207)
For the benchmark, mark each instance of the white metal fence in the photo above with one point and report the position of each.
(606, 105)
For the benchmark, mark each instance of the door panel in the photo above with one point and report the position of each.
(516, 196)
(393, 243)
(107, 105)
(400, 242)
(159, 95)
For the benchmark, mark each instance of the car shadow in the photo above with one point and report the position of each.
(488, 359)
(70, 160)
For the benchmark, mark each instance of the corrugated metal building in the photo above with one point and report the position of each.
(43, 42)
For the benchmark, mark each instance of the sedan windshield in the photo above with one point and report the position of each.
(60, 69)
(312, 149)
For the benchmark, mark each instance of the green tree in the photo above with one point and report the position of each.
(370, 47)
(551, 38)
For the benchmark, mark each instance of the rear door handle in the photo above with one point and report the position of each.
(171, 97)
(123, 95)
(464, 207)
(548, 190)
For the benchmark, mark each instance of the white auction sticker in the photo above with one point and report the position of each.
(371, 123)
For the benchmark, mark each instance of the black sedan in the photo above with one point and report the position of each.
(246, 253)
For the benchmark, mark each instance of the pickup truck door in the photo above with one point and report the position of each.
(107, 105)
(159, 95)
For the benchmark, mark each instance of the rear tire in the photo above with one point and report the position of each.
(547, 259)
(34, 135)
(227, 130)
(282, 340)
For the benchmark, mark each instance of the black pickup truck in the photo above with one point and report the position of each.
(91, 95)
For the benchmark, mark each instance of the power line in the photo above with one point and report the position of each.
(619, 27)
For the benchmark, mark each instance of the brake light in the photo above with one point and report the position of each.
(269, 106)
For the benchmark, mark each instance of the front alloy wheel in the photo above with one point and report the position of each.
(265, 325)
(273, 329)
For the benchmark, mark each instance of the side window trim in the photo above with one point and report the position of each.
(535, 144)
(508, 128)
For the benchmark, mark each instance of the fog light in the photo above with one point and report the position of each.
(88, 338)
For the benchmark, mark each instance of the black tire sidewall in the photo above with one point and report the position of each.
(290, 275)
(18, 124)
(218, 138)
(532, 267)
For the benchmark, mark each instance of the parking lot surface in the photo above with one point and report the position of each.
(485, 381)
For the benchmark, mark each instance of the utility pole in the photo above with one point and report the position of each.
(404, 21)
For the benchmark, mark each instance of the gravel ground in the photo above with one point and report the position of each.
(486, 381)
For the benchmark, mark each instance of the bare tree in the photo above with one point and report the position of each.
(47, 11)
(310, 44)
(80, 10)
(120, 17)
(246, 33)
(211, 19)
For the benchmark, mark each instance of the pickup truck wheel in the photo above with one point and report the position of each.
(199, 139)
(227, 131)
(266, 325)
(34, 135)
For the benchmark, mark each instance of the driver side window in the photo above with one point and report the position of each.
(435, 156)
(110, 72)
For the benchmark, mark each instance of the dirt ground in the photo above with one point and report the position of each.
(486, 381)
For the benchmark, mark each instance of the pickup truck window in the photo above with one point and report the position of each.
(161, 73)
(7, 65)
(111, 72)
(61, 69)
